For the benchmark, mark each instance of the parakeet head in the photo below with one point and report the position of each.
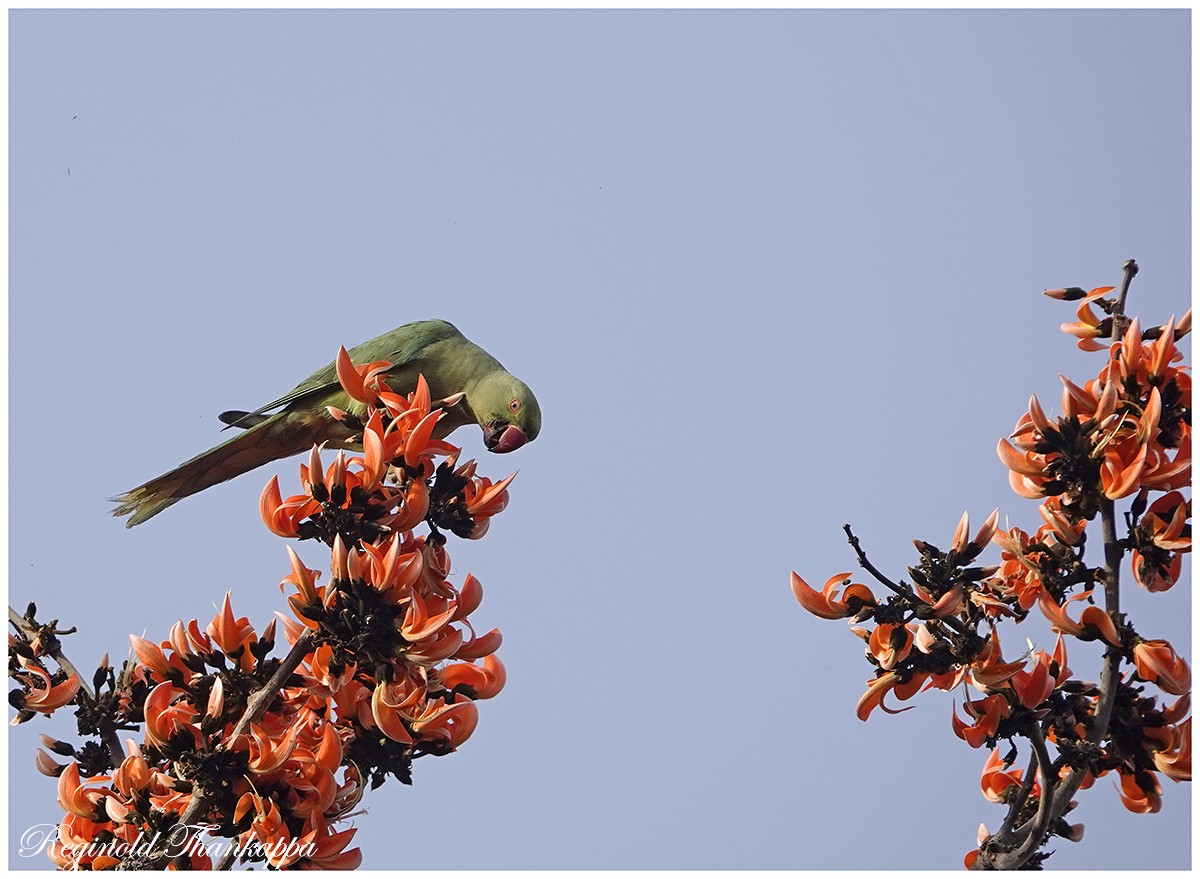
(507, 411)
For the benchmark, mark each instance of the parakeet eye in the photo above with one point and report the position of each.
(514, 405)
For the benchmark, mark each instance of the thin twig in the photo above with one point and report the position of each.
(1120, 322)
(899, 588)
(226, 862)
(30, 632)
(112, 741)
(262, 698)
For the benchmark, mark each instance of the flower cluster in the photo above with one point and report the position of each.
(1125, 431)
(38, 691)
(1124, 434)
(383, 626)
(271, 755)
(282, 782)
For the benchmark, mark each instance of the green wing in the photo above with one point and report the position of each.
(401, 346)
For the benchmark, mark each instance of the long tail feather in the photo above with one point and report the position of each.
(241, 418)
(280, 436)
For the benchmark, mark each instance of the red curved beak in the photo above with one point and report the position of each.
(504, 438)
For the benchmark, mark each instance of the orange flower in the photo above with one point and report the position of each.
(47, 765)
(1034, 686)
(825, 604)
(950, 603)
(451, 724)
(1167, 519)
(1081, 403)
(1026, 469)
(477, 647)
(269, 828)
(989, 668)
(266, 753)
(987, 714)
(973, 547)
(1019, 573)
(363, 383)
(484, 500)
(1175, 762)
(353, 703)
(1140, 792)
(1157, 662)
(390, 703)
(233, 634)
(329, 848)
(77, 799)
(1093, 622)
(1058, 524)
(43, 694)
(1163, 472)
(476, 682)
(890, 644)
(420, 447)
(283, 517)
(310, 600)
(152, 657)
(1122, 465)
(997, 778)
(1090, 325)
(881, 686)
(412, 508)
(408, 434)
(989, 601)
(1154, 577)
(1162, 535)
(133, 775)
(469, 597)
(380, 448)
(426, 617)
(442, 644)
(167, 715)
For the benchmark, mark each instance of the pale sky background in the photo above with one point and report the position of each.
(767, 272)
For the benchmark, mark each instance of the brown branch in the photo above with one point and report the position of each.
(899, 588)
(1019, 802)
(262, 698)
(27, 629)
(1120, 322)
(1011, 849)
(30, 632)
(1110, 676)
(1056, 793)
(1045, 814)
(226, 862)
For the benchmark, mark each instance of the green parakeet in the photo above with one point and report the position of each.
(469, 384)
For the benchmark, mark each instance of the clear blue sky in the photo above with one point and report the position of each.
(768, 272)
